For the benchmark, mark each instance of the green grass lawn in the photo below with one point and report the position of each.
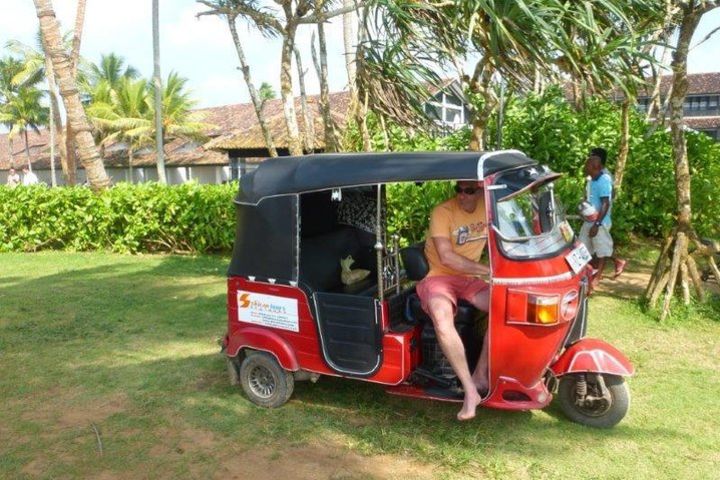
(127, 346)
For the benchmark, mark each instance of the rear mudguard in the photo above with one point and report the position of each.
(262, 339)
(592, 355)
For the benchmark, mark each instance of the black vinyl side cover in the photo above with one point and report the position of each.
(350, 333)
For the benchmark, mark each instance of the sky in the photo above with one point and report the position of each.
(201, 49)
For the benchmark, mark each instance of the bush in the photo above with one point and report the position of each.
(125, 218)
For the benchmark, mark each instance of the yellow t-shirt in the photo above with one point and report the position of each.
(466, 231)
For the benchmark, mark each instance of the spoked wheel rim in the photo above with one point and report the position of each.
(262, 382)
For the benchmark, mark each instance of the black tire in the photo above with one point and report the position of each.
(264, 381)
(602, 415)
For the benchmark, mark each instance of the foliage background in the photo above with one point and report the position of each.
(201, 218)
(125, 218)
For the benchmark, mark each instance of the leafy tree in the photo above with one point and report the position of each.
(283, 22)
(676, 266)
(517, 41)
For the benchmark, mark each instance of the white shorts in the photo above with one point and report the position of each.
(601, 245)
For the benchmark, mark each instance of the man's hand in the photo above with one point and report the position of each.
(594, 231)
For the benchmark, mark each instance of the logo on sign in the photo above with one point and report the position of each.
(268, 310)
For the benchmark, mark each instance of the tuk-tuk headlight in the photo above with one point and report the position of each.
(543, 309)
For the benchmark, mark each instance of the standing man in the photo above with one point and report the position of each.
(458, 234)
(596, 234)
(29, 178)
(13, 179)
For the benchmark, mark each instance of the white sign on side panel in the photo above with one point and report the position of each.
(268, 310)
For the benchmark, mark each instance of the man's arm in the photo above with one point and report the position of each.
(455, 261)
(604, 207)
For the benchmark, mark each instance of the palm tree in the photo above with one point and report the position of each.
(62, 66)
(123, 117)
(129, 115)
(96, 80)
(20, 106)
(37, 65)
(23, 111)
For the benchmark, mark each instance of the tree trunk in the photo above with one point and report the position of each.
(27, 150)
(331, 142)
(77, 36)
(70, 153)
(52, 44)
(480, 84)
(59, 139)
(624, 143)
(51, 131)
(257, 103)
(70, 156)
(130, 164)
(655, 104)
(349, 40)
(286, 89)
(157, 82)
(683, 232)
(309, 130)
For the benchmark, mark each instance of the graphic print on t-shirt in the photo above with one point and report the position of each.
(469, 233)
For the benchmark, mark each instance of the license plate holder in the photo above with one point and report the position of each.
(578, 258)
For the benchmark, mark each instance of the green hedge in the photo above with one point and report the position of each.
(125, 218)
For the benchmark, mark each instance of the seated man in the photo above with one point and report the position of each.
(458, 234)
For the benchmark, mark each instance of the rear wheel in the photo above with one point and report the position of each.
(593, 409)
(264, 381)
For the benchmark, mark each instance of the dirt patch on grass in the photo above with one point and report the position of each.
(328, 459)
(634, 280)
(94, 411)
(66, 409)
(316, 462)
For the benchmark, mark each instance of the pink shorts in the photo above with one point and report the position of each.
(452, 287)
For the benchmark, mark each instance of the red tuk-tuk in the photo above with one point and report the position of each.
(290, 317)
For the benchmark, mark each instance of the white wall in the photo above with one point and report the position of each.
(175, 175)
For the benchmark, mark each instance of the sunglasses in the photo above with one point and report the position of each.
(466, 190)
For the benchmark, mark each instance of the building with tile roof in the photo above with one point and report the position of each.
(234, 142)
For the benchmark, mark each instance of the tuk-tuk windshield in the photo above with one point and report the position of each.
(532, 224)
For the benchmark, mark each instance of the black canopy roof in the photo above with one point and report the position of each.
(288, 175)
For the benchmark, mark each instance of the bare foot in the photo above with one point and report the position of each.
(481, 384)
(619, 267)
(472, 400)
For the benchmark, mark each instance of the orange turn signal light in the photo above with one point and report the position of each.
(543, 309)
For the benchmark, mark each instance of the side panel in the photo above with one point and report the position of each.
(305, 342)
(593, 355)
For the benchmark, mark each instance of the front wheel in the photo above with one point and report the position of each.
(264, 381)
(583, 401)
